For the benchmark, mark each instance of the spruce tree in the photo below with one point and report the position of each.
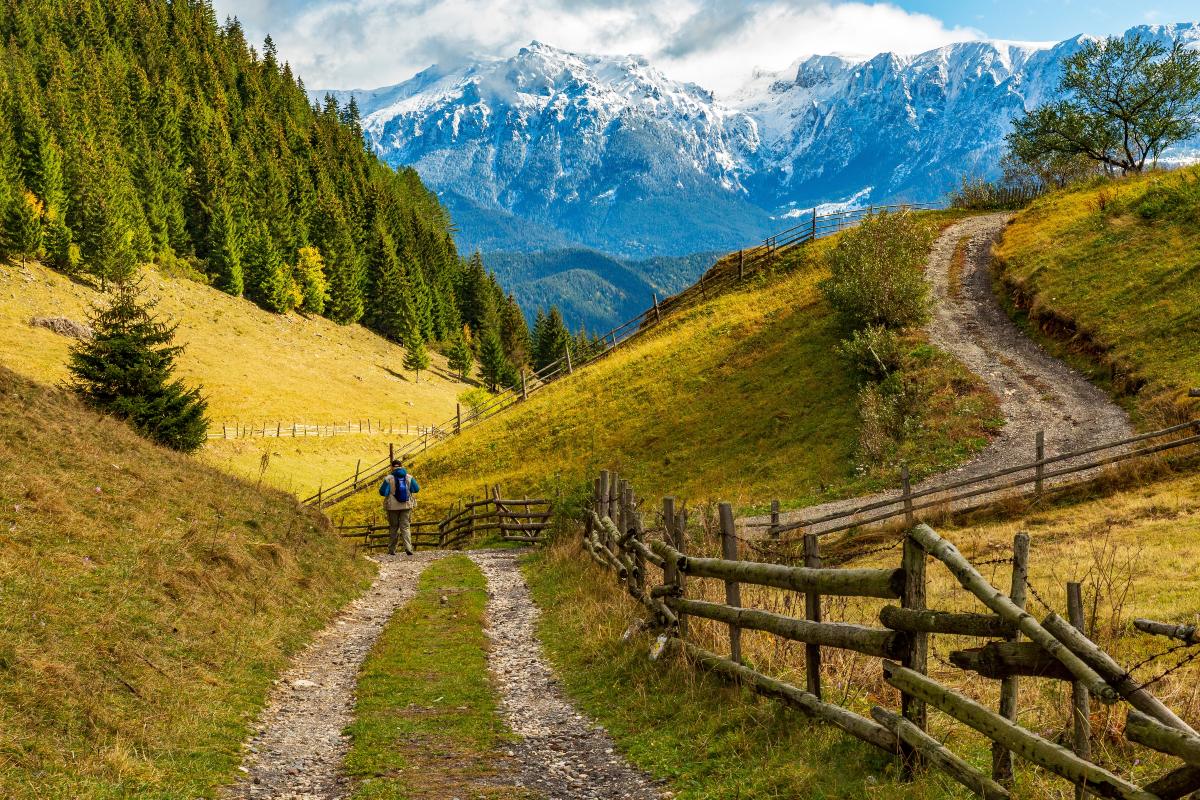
(309, 277)
(494, 366)
(266, 276)
(460, 358)
(225, 250)
(23, 227)
(553, 340)
(514, 333)
(126, 370)
(416, 357)
(386, 302)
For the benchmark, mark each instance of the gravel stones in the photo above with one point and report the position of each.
(297, 750)
(562, 754)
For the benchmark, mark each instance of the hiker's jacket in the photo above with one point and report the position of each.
(387, 490)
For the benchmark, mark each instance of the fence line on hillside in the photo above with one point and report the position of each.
(525, 521)
(280, 429)
(727, 271)
(1021, 646)
(978, 491)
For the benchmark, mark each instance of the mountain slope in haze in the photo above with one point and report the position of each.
(613, 155)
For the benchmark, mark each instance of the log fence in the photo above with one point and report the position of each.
(524, 521)
(280, 429)
(651, 566)
(725, 272)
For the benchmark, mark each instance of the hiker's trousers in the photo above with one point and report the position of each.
(399, 525)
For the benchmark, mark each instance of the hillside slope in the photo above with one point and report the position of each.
(147, 603)
(1111, 271)
(255, 366)
(741, 396)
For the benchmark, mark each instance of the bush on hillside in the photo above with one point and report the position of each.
(877, 275)
(874, 352)
(125, 370)
(1176, 197)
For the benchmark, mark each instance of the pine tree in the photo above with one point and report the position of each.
(225, 251)
(476, 298)
(23, 227)
(460, 358)
(126, 368)
(494, 366)
(514, 333)
(416, 357)
(389, 310)
(553, 340)
(266, 276)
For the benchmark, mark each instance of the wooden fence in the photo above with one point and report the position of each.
(523, 520)
(280, 429)
(726, 272)
(1033, 477)
(1020, 647)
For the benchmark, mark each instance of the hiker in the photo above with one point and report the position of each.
(397, 491)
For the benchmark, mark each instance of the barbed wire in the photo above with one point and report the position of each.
(1036, 596)
(1190, 657)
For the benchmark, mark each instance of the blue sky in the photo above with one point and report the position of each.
(716, 43)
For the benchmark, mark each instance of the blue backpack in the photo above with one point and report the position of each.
(401, 486)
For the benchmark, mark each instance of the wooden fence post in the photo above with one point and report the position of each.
(613, 492)
(741, 264)
(774, 519)
(1040, 449)
(917, 655)
(733, 592)
(224, 433)
(1002, 760)
(458, 416)
(391, 454)
(357, 466)
(524, 386)
(906, 488)
(657, 311)
(1080, 701)
(814, 223)
(602, 495)
(632, 522)
(812, 611)
(278, 428)
(570, 366)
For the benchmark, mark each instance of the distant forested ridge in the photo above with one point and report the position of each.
(134, 131)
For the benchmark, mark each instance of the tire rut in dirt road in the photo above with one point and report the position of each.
(297, 751)
(563, 755)
(1035, 390)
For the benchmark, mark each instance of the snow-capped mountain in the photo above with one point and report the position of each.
(550, 148)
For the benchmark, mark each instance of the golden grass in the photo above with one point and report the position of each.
(740, 397)
(255, 366)
(146, 603)
(1111, 270)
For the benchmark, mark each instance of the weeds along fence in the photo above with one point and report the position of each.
(524, 521)
(1018, 646)
(1034, 477)
(280, 429)
(726, 272)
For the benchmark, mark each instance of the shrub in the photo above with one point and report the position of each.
(877, 272)
(875, 352)
(475, 399)
(1176, 198)
(889, 412)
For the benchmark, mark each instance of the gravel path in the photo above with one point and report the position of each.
(297, 750)
(1036, 391)
(563, 755)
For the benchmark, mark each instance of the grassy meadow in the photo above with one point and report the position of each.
(147, 603)
(741, 396)
(1134, 550)
(1111, 271)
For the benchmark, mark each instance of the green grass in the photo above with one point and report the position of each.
(427, 724)
(1111, 270)
(740, 397)
(147, 602)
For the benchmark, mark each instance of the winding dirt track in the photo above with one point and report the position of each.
(297, 751)
(1036, 391)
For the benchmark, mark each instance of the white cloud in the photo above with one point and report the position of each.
(716, 43)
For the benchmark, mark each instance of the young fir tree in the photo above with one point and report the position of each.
(494, 366)
(125, 370)
(460, 358)
(309, 278)
(225, 250)
(266, 277)
(416, 357)
(553, 340)
(514, 333)
(23, 227)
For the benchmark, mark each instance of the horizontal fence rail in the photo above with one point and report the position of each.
(1034, 476)
(725, 272)
(525, 521)
(654, 568)
(281, 429)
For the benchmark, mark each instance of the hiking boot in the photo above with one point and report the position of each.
(410, 552)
